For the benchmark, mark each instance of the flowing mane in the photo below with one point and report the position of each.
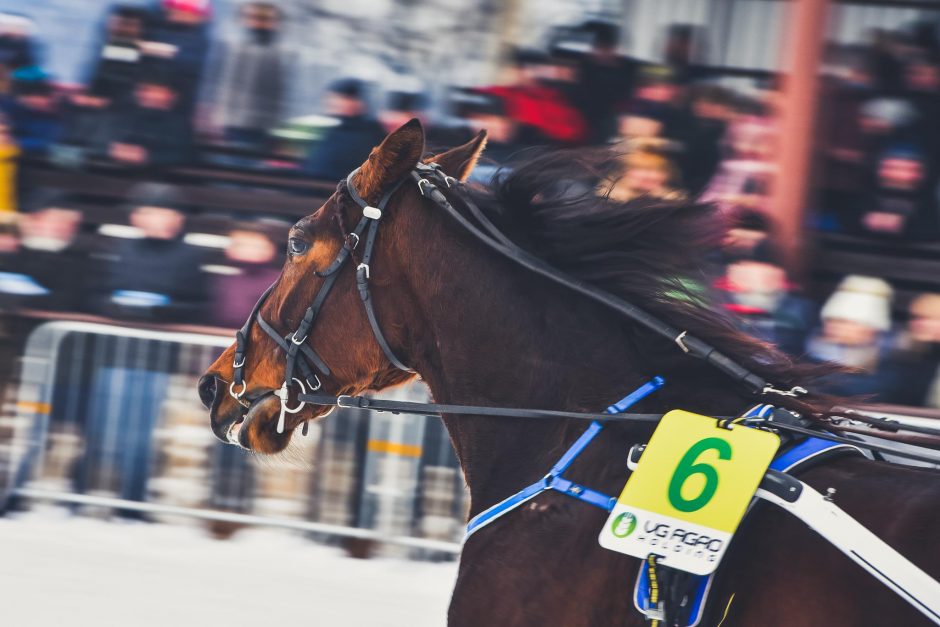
(652, 252)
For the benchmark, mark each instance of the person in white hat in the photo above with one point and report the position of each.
(855, 322)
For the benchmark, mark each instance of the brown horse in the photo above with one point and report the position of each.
(480, 330)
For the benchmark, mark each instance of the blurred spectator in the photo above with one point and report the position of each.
(843, 139)
(483, 111)
(900, 203)
(9, 154)
(16, 47)
(249, 91)
(88, 127)
(710, 108)
(116, 65)
(647, 171)
(747, 232)
(158, 275)
(152, 131)
(47, 252)
(856, 320)
(180, 41)
(857, 128)
(681, 52)
(252, 257)
(917, 358)
(401, 106)
(537, 105)
(34, 112)
(345, 146)
(564, 71)
(656, 109)
(882, 58)
(922, 84)
(764, 302)
(113, 75)
(606, 81)
(745, 175)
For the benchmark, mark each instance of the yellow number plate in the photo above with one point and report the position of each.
(689, 491)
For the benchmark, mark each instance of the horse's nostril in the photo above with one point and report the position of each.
(207, 389)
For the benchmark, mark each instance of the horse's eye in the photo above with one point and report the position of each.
(296, 246)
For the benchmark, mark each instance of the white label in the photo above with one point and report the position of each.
(678, 543)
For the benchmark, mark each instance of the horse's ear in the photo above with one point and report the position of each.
(459, 162)
(395, 157)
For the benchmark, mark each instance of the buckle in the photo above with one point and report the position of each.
(363, 266)
(680, 340)
(284, 395)
(233, 394)
(294, 340)
(354, 245)
(421, 183)
(352, 402)
(239, 364)
(796, 391)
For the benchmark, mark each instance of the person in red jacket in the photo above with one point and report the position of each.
(537, 105)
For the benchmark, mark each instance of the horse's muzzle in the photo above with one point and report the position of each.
(208, 387)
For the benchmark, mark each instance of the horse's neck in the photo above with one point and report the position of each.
(492, 334)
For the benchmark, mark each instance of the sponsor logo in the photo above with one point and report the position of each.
(623, 525)
(667, 537)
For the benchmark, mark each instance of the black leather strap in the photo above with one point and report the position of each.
(363, 270)
(241, 340)
(284, 341)
(691, 345)
(435, 409)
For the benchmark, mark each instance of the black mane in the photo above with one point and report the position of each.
(652, 252)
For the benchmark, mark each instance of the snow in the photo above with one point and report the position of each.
(57, 569)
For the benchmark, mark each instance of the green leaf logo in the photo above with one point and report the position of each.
(623, 525)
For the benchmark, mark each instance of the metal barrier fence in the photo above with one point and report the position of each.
(106, 419)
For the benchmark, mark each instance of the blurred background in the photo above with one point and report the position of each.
(154, 153)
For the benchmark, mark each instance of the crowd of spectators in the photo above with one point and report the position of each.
(159, 90)
(880, 144)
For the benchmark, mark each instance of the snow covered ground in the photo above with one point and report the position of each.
(59, 570)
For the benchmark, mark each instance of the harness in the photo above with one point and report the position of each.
(660, 593)
(305, 368)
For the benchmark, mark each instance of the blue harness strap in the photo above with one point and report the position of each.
(803, 451)
(796, 455)
(554, 481)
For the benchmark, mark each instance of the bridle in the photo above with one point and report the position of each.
(305, 368)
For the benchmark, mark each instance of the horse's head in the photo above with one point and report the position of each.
(312, 330)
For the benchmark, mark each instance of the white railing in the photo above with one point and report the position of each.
(107, 418)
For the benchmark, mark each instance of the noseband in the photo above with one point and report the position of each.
(304, 366)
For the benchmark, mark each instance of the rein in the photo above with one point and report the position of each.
(490, 235)
(305, 368)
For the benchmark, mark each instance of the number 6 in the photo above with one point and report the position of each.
(687, 468)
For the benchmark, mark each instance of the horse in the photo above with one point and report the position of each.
(479, 329)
